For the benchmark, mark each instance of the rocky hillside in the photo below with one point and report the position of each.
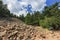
(14, 29)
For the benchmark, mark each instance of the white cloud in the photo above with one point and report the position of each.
(20, 13)
(20, 7)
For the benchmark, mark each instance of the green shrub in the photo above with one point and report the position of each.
(50, 22)
(44, 23)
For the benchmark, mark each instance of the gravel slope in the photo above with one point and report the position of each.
(14, 29)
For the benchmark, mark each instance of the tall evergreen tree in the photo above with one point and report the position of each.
(36, 18)
(28, 19)
(4, 12)
(21, 17)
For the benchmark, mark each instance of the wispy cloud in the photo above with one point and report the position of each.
(20, 7)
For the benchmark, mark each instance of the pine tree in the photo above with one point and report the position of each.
(28, 19)
(21, 17)
(4, 12)
(36, 18)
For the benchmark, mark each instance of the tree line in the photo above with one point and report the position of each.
(4, 12)
(49, 18)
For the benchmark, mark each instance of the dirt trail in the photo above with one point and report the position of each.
(16, 30)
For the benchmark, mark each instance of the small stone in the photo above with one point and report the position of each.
(2, 33)
(12, 34)
(43, 36)
(0, 38)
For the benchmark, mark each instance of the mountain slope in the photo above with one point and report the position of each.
(14, 29)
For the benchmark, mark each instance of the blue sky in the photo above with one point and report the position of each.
(19, 7)
(50, 2)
